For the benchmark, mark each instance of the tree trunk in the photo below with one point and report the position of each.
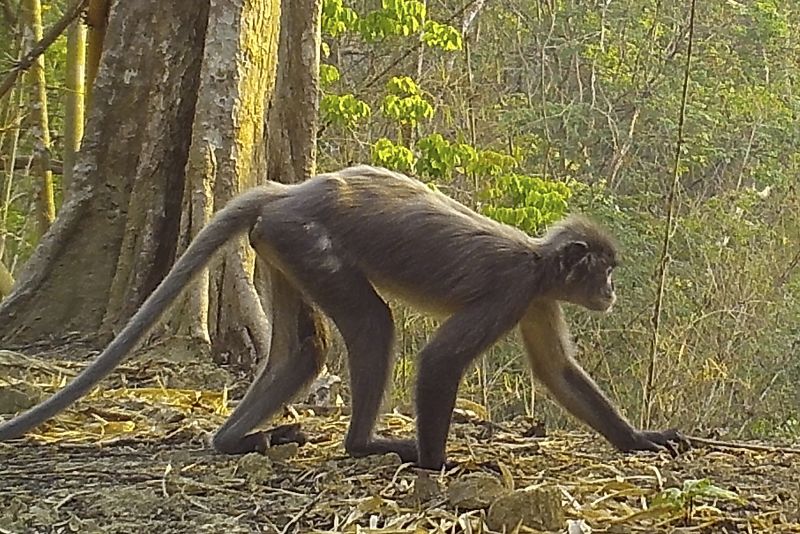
(45, 206)
(73, 113)
(292, 132)
(177, 90)
(291, 150)
(223, 307)
(97, 22)
(121, 222)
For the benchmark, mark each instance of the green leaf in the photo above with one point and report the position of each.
(328, 74)
(337, 18)
(441, 36)
(386, 154)
(344, 110)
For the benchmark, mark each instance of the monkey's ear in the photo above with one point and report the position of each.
(575, 251)
(574, 256)
(577, 245)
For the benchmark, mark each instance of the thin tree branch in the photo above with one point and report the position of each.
(663, 265)
(715, 443)
(38, 49)
(23, 162)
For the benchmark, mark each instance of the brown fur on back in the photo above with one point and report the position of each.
(414, 242)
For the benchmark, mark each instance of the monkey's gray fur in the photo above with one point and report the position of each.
(337, 238)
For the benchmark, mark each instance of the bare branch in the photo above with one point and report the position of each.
(21, 163)
(38, 49)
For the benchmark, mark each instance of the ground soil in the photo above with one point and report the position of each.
(135, 458)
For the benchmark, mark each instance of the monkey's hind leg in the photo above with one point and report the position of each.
(300, 343)
(306, 255)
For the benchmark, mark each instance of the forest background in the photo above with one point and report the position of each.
(526, 111)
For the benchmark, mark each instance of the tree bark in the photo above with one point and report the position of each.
(200, 79)
(178, 89)
(121, 222)
(74, 109)
(33, 31)
(292, 132)
(291, 150)
(223, 307)
(97, 22)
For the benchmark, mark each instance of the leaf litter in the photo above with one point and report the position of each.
(135, 456)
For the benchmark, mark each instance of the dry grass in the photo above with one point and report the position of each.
(135, 458)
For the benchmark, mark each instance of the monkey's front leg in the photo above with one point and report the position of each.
(582, 397)
(546, 338)
(442, 364)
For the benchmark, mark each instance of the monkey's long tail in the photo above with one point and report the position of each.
(235, 218)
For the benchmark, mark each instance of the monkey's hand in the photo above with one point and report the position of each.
(670, 440)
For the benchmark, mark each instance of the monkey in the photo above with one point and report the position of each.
(347, 240)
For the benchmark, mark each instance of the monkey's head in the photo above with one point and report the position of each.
(584, 258)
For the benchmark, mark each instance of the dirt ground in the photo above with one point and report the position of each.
(134, 457)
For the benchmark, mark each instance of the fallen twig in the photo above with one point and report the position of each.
(706, 442)
(299, 515)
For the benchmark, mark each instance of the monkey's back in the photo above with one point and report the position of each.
(411, 241)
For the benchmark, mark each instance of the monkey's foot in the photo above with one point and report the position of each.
(670, 440)
(264, 439)
(406, 449)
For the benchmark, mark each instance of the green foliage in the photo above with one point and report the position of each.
(337, 18)
(328, 75)
(404, 104)
(767, 21)
(684, 499)
(437, 157)
(406, 110)
(387, 154)
(594, 110)
(344, 110)
(395, 18)
(490, 163)
(444, 36)
(788, 429)
(527, 202)
(402, 86)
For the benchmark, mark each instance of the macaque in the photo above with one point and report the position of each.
(342, 237)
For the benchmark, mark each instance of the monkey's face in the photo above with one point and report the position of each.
(589, 278)
(604, 296)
